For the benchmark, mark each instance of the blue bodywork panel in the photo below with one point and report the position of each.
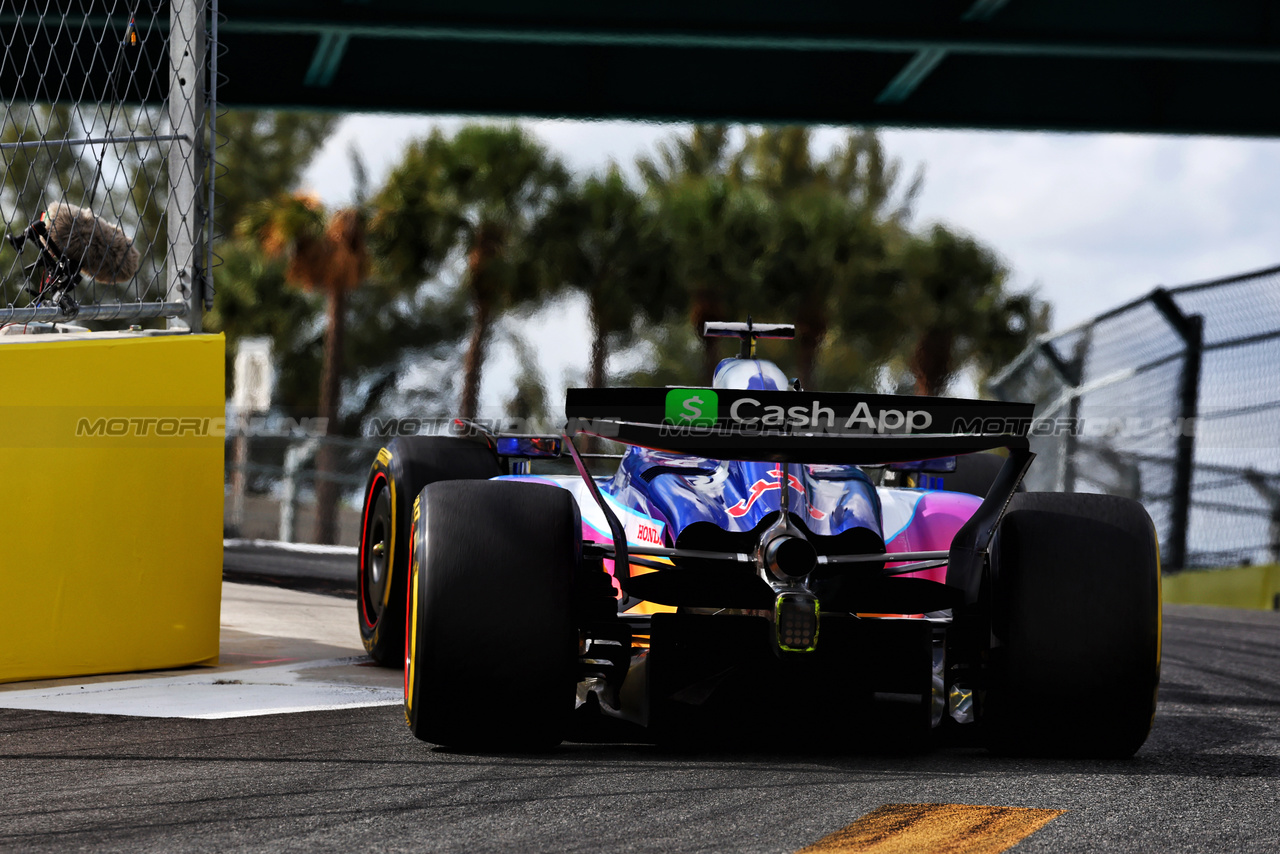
(737, 496)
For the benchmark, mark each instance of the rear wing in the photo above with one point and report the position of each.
(797, 426)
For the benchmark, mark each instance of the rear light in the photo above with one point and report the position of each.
(795, 618)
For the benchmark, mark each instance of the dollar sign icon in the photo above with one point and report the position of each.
(694, 406)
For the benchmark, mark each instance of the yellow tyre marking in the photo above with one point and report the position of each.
(1159, 625)
(412, 628)
(384, 457)
(935, 829)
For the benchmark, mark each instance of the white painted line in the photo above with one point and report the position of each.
(280, 689)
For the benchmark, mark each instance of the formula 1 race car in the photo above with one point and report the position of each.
(767, 564)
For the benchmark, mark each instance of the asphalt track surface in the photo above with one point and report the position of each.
(1208, 779)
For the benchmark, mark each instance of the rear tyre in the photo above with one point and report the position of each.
(492, 652)
(1076, 607)
(398, 474)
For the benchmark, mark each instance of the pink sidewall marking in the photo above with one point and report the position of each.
(364, 532)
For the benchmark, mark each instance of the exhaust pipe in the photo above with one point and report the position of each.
(789, 557)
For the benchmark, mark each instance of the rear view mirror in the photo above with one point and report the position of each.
(528, 446)
(941, 465)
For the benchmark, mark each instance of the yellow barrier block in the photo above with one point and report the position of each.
(111, 455)
(1253, 587)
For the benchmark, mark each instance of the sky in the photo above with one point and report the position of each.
(1088, 220)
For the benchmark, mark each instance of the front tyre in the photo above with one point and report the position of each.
(492, 651)
(1076, 607)
(401, 470)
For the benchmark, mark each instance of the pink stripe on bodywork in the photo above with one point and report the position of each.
(937, 518)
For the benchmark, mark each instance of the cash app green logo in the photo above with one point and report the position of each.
(699, 406)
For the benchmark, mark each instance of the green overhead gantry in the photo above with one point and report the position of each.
(1165, 66)
(1169, 66)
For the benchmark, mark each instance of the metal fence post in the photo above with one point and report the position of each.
(183, 268)
(1191, 329)
(1072, 374)
(1271, 496)
(211, 109)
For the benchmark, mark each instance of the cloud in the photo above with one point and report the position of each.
(1098, 219)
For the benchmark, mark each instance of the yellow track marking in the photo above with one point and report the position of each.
(935, 829)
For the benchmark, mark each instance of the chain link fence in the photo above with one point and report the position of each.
(106, 179)
(1174, 400)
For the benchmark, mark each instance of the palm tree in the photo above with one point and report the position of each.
(482, 192)
(325, 253)
(712, 227)
(860, 170)
(824, 269)
(717, 233)
(704, 153)
(954, 302)
(831, 222)
(600, 239)
(527, 405)
(780, 161)
(267, 152)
